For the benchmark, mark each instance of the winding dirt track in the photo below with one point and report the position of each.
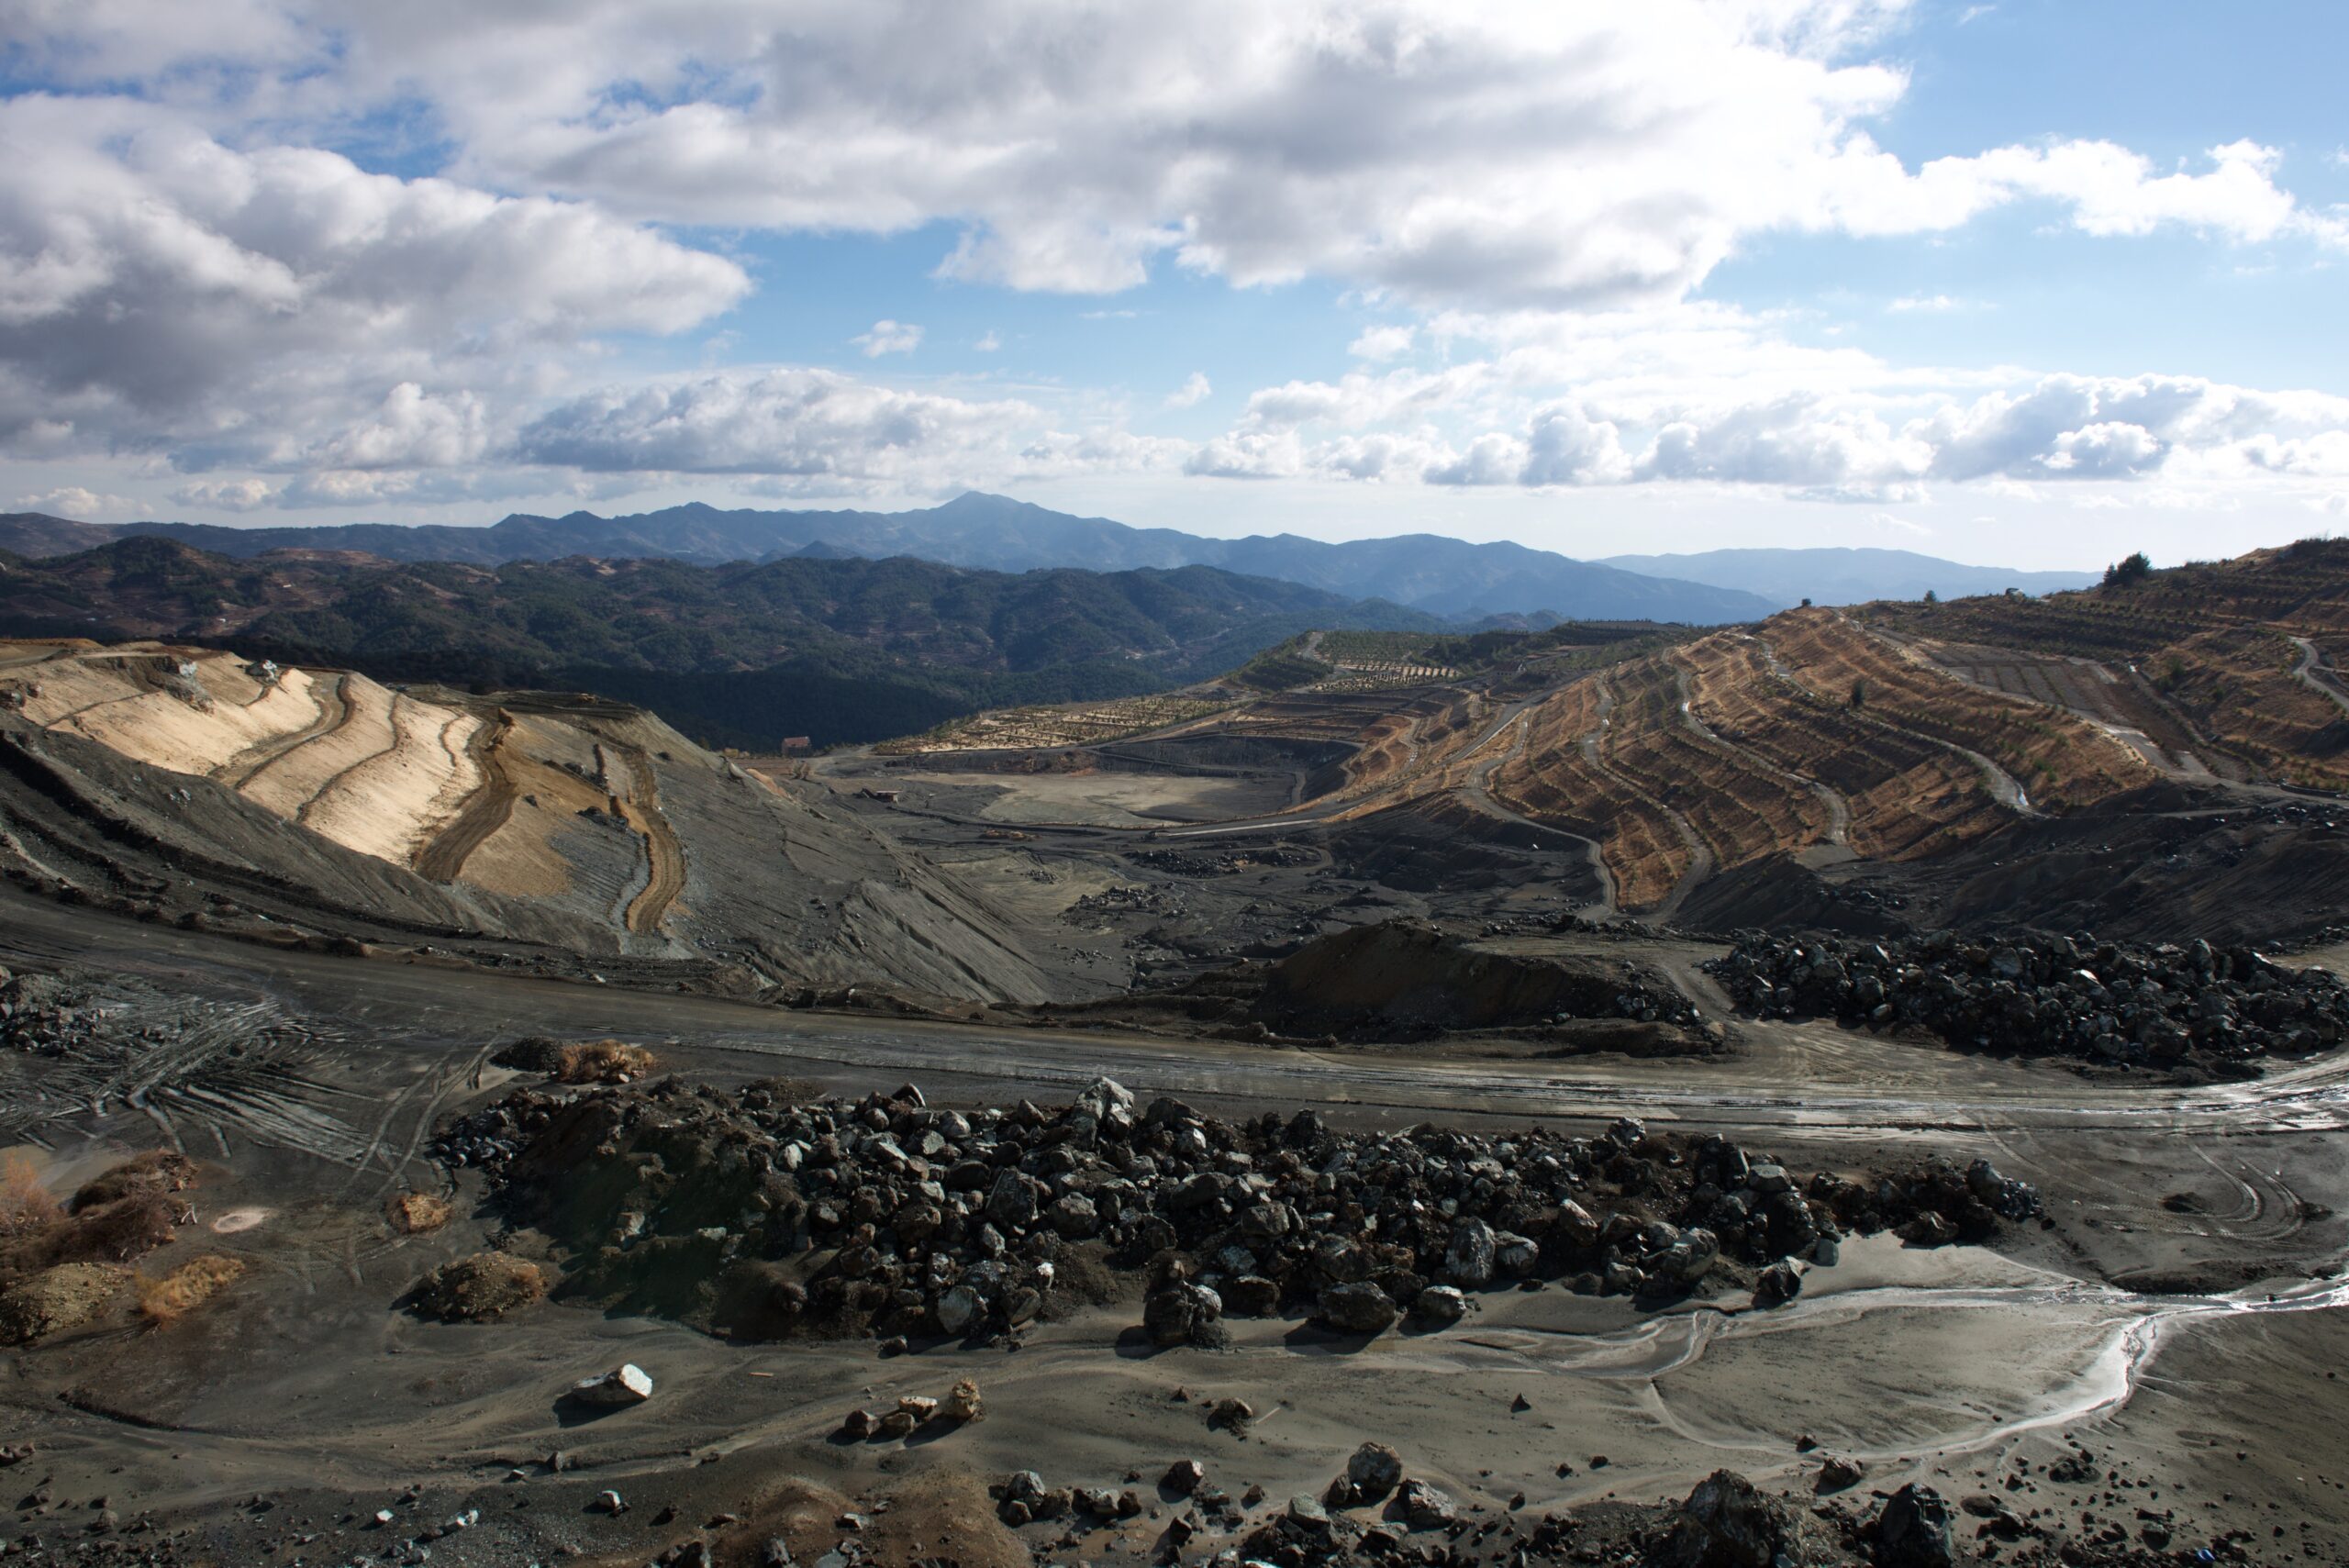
(664, 856)
(444, 858)
(2314, 671)
(334, 712)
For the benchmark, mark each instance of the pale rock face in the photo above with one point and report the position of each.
(624, 1385)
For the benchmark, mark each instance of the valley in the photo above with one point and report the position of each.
(1891, 990)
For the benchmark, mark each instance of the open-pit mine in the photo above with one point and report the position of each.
(1869, 1085)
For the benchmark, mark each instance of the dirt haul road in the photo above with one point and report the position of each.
(2193, 1231)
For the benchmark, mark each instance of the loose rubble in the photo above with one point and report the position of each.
(2221, 1008)
(774, 1217)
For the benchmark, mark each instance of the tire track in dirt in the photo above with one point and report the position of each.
(334, 712)
(443, 860)
(664, 854)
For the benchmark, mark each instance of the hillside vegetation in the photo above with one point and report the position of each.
(845, 650)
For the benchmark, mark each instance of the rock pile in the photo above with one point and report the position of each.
(2163, 1004)
(42, 1015)
(776, 1217)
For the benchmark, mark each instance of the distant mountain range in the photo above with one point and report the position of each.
(1446, 577)
(742, 654)
(1441, 577)
(1787, 577)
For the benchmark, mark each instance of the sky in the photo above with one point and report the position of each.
(2027, 282)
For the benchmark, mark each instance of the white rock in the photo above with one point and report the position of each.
(629, 1384)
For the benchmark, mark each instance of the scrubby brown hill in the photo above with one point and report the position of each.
(744, 653)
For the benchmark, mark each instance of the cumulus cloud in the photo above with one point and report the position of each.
(227, 494)
(801, 423)
(1543, 186)
(1195, 389)
(889, 338)
(1545, 155)
(159, 287)
(75, 503)
(1831, 444)
(1383, 342)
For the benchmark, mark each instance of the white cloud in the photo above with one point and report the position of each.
(1249, 454)
(1934, 304)
(161, 289)
(804, 424)
(988, 343)
(1383, 342)
(227, 494)
(411, 430)
(889, 338)
(1486, 154)
(74, 504)
(1195, 389)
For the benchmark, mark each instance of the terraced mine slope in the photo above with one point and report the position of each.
(2224, 668)
(1862, 769)
(549, 831)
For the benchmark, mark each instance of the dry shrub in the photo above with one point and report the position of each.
(159, 1171)
(481, 1289)
(26, 1205)
(164, 1299)
(113, 1232)
(603, 1061)
(413, 1214)
(120, 1230)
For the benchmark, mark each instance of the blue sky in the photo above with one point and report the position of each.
(2023, 283)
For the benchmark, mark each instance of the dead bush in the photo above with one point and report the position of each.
(164, 1299)
(480, 1289)
(115, 1232)
(603, 1061)
(25, 1203)
(414, 1213)
(158, 1170)
(119, 1231)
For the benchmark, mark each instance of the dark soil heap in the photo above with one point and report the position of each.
(2217, 1009)
(771, 1216)
(1400, 982)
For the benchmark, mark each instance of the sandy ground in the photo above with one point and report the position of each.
(1093, 800)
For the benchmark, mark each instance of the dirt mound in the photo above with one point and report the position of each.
(579, 1062)
(480, 1289)
(415, 1214)
(57, 1299)
(1401, 980)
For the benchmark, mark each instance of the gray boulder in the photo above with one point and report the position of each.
(1913, 1531)
(1361, 1308)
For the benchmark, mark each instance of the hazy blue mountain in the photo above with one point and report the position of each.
(1838, 576)
(1441, 577)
